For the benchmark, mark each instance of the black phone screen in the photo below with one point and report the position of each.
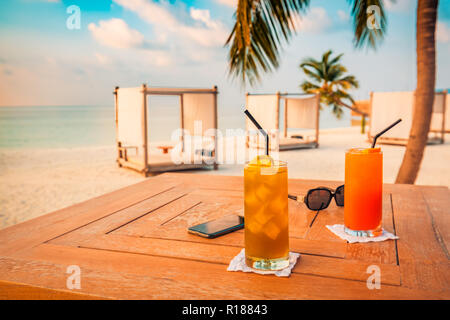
(218, 227)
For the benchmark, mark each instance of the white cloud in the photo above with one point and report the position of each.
(230, 3)
(116, 33)
(399, 5)
(203, 16)
(442, 32)
(102, 59)
(174, 29)
(209, 34)
(159, 58)
(315, 21)
(343, 16)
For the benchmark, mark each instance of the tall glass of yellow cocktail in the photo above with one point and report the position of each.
(266, 214)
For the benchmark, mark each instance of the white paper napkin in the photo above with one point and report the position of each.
(238, 264)
(338, 229)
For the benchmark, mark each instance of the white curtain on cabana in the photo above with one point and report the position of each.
(198, 107)
(301, 112)
(388, 107)
(265, 110)
(438, 112)
(199, 122)
(130, 130)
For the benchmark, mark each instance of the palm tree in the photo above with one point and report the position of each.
(426, 77)
(262, 27)
(329, 81)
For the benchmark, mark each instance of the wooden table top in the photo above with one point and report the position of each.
(133, 244)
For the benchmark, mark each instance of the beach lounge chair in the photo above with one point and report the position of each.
(197, 143)
(387, 107)
(301, 112)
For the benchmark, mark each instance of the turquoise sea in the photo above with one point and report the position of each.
(79, 126)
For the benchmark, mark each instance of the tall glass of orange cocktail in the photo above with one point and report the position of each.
(363, 191)
(266, 214)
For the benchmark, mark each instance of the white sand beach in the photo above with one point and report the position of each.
(39, 181)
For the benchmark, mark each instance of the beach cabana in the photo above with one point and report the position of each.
(386, 107)
(196, 147)
(301, 112)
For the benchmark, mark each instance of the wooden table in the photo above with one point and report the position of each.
(133, 243)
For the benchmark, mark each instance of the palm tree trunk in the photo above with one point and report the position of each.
(426, 76)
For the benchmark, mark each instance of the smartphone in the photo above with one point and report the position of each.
(218, 227)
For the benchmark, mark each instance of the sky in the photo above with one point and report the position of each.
(181, 44)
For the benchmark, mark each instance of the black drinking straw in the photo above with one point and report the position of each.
(264, 133)
(382, 132)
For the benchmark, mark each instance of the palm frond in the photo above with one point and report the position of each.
(336, 59)
(261, 28)
(335, 72)
(312, 74)
(366, 33)
(312, 66)
(310, 87)
(348, 82)
(311, 62)
(337, 110)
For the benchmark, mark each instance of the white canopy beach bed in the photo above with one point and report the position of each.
(196, 146)
(386, 107)
(301, 111)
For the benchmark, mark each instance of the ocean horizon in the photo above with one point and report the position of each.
(87, 126)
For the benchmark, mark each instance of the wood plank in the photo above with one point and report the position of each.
(218, 193)
(181, 214)
(308, 264)
(438, 203)
(205, 211)
(423, 263)
(35, 231)
(236, 183)
(316, 247)
(131, 276)
(413, 225)
(217, 182)
(22, 291)
(160, 216)
(329, 216)
(122, 217)
(345, 269)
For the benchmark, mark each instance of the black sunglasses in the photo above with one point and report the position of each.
(320, 198)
